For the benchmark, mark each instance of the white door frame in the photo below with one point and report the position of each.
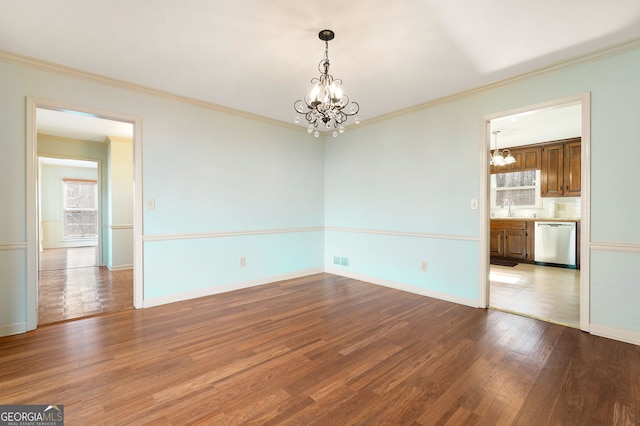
(585, 225)
(32, 203)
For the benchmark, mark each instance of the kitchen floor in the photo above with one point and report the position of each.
(543, 292)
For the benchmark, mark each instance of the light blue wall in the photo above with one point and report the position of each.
(208, 170)
(190, 266)
(415, 174)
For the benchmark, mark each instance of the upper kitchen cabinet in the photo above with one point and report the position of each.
(527, 158)
(572, 169)
(561, 169)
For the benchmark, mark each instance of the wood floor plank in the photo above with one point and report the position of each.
(321, 350)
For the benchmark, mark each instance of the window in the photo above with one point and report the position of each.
(80, 208)
(519, 188)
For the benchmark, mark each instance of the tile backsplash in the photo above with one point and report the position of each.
(561, 207)
(566, 207)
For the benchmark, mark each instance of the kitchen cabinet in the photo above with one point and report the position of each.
(511, 239)
(561, 169)
(526, 159)
(529, 158)
(572, 169)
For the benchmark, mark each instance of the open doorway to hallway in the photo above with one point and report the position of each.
(85, 215)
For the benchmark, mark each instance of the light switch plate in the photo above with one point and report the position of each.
(474, 204)
(151, 203)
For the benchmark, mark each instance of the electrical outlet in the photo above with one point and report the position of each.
(424, 265)
(243, 261)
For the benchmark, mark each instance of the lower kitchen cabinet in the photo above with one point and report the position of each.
(511, 239)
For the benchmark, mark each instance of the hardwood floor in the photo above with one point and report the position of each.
(321, 350)
(71, 285)
(541, 292)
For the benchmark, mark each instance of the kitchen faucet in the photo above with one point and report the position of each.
(507, 202)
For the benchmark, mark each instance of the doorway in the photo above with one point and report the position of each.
(86, 270)
(514, 280)
(72, 283)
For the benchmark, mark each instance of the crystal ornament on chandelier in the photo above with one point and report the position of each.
(326, 104)
(500, 158)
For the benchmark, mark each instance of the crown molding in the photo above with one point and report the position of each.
(121, 84)
(549, 69)
(97, 78)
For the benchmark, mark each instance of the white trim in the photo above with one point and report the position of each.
(559, 66)
(15, 328)
(120, 226)
(120, 267)
(121, 84)
(71, 72)
(585, 223)
(138, 214)
(13, 246)
(404, 287)
(170, 237)
(628, 336)
(617, 247)
(403, 234)
(209, 291)
(33, 242)
(32, 205)
(583, 99)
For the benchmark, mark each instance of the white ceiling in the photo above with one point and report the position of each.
(541, 125)
(259, 56)
(77, 125)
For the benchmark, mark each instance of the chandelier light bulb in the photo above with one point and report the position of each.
(310, 128)
(297, 119)
(316, 133)
(341, 129)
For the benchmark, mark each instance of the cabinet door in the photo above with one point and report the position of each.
(572, 169)
(496, 239)
(515, 245)
(531, 159)
(552, 174)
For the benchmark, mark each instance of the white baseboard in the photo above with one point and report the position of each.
(405, 287)
(627, 336)
(120, 267)
(147, 303)
(15, 328)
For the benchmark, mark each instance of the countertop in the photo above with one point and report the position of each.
(539, 219)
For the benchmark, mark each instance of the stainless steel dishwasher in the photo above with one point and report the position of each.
(555, 244)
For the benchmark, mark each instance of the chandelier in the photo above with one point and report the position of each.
(500, 158)
(326, 103)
